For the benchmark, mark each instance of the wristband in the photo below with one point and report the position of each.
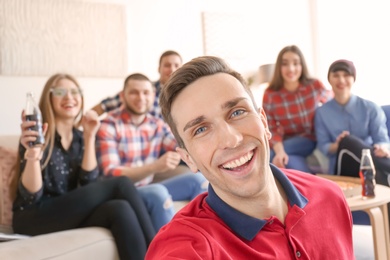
(28, 156)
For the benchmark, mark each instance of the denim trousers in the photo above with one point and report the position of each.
(158, 197)
(297, 148)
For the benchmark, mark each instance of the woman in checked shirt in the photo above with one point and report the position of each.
(290, 102)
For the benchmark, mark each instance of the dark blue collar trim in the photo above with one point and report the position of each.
(246, 226)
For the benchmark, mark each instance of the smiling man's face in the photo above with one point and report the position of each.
(225, 137)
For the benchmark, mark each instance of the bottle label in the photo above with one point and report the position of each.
(367, 177)
(38, 127)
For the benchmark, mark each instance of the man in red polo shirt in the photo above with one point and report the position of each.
(253, 210)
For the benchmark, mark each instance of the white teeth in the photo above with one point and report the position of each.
(238, 162)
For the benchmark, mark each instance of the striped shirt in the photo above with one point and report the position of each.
(120, 143)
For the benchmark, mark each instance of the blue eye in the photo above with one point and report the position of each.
(200, 130)
(237, 112)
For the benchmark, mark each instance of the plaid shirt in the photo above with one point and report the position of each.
(292, 113)
(122, 144)
(112, 103)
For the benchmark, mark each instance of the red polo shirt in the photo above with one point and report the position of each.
(318, 225)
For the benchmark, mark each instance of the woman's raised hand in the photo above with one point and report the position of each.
(90, 123)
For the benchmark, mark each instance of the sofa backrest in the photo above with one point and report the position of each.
(9, 141)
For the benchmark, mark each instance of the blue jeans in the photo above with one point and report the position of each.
(186, 186)
(158, 197)
(297, 148)
(158, 203)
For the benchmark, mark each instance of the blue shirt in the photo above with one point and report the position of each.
(362, 118)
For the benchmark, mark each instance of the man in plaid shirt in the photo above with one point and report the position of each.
(136, 144)
(170, 61)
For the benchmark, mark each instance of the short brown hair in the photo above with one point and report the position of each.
(136, 76)
(187, 74)
(168, 53)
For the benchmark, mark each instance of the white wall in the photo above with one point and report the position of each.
(358, 31)
(155, 26)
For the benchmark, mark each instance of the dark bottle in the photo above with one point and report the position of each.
(33, 113)
(367, 174)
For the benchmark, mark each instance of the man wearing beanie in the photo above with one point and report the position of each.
(343, 65)
(348, 123)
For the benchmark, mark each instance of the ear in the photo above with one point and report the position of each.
(186, 157)
(121, 96)
(263, 117)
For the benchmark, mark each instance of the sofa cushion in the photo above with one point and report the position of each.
(8, 185)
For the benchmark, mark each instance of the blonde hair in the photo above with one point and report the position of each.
(46, 107)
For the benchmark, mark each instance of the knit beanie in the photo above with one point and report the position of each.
(344, 65)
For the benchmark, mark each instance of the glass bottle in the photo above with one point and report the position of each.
(33, 113)
(367, 174)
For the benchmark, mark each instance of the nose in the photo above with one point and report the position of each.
(68, 94)
(291, 67)
(142, 97)
(172, 68)
(228, 136)
(343, 79)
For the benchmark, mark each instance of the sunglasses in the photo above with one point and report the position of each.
(62, 92)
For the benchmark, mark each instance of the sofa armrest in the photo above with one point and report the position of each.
(318, 162)
(8, 182)
(322, 160)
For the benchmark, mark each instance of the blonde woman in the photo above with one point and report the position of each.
(59, 186)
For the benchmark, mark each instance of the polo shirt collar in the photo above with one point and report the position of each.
(246, 226)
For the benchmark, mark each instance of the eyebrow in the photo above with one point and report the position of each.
(232, 103)
(227, 105)
(194, 122)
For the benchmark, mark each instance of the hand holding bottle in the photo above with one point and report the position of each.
(33, 113)
(29, 136)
